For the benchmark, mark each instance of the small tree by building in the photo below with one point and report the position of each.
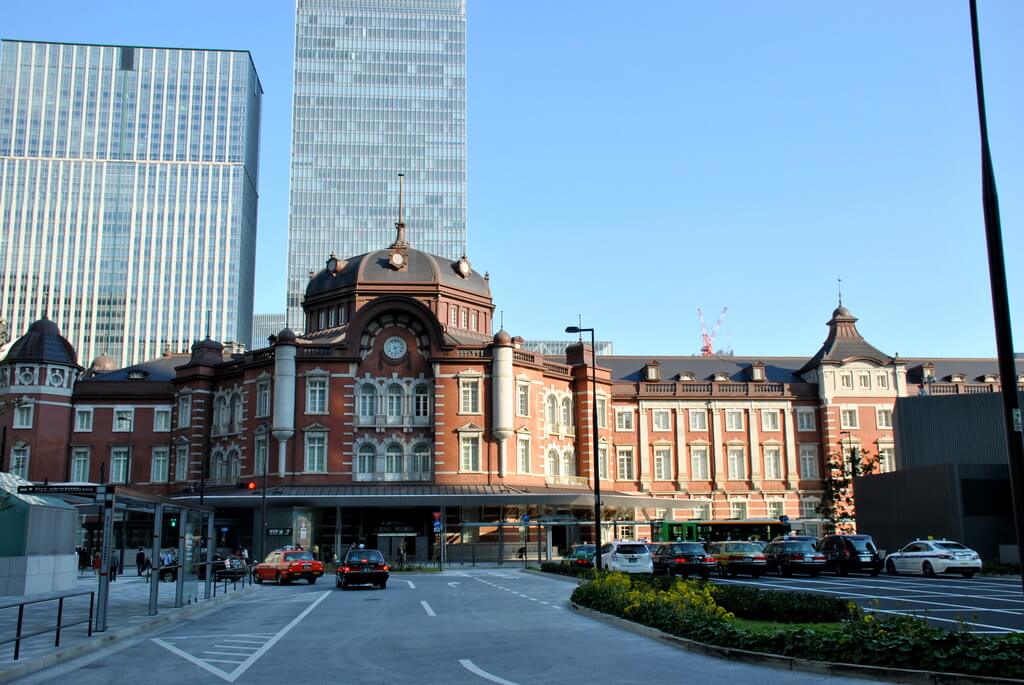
(837, 499)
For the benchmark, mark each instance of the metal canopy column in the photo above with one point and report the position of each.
(106, 500)
(154, 566)
(179, 585)
(208, 590)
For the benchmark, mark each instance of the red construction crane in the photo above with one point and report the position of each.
(707, 340)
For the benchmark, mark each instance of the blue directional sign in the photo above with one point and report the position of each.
(437, 526)
(526, 518)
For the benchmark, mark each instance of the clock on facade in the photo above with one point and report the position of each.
(394, 347)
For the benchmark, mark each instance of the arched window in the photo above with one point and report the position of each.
(365, 459)
(552, 463)
(421, 401)
(236, 412)
(367, 401)
(395, 394)
(422, 460)
(393, 459)
(552, 411)
(219, 470)
(566, 412)
(568, 464)
(220, 414)
(233, 466)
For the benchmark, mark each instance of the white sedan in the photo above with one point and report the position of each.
(931, 557)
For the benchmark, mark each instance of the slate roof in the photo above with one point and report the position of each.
(844, 342)
(159, 369)
(43, 343)
(973, 369)
(630, 368)
(373, 267)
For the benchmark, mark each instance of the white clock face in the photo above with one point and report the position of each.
(394, 347)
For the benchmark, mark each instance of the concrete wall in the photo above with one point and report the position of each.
(37, 574)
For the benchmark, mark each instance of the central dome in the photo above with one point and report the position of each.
(375, 268)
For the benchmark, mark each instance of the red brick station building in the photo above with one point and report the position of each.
(401, 401)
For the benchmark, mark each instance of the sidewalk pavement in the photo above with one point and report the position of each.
(127, 614)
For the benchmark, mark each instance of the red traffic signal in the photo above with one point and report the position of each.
(251, 485)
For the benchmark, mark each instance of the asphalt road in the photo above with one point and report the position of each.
(479, 626)
(979, 604)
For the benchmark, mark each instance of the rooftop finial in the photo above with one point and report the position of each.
(400, 241)
(839, 281)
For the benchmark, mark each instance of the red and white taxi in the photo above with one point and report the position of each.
(282, 566)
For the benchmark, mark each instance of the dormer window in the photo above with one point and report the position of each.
(136, 375)
(1020, 379)
(990, 378)
(720, 376)
(957, 378)
(686, 376)
(652, 371)
(757, 371)
(928, 372)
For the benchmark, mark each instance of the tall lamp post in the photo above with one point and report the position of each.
(127, 478)
(1000, 300)
(594, 442)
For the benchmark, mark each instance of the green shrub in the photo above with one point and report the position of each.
(1000, 567)
(691, 609)
(566, 569)
(783, 607)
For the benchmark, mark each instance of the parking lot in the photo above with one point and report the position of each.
(979, 604)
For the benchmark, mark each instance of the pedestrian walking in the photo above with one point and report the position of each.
(96, 563)
(140, 562)
(113, 566)
(245, 556)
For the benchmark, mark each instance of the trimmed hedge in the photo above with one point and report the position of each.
(566, 569)
(689, 609)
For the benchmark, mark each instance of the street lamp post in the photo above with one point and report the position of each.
(594, 442)
(127, 479)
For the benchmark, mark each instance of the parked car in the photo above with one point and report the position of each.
(683, 559)
(285, 565)
(788, 556)
(739, 557)
(846, 553)
(796, 538)
(931, 557)
(362, 567)
(229, 566)
(580, 555)
(628, 557)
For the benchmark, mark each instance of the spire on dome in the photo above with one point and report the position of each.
(400, 241)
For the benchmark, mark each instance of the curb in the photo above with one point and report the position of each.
(20, 669)
(824, 668)
(553, 576)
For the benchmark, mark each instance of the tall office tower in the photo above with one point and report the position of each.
(128, 183)
(380, 89)
(266, 325)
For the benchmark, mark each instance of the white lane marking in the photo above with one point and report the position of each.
(218, 635)
(453, 584)
(403, 580)
(543, 602)
(252, 658)
(228, 654)
(221, 661)
(473, 668)
(244, 642)
(909, 586)
(1001, 629)
(532, 599)
(243, 649)
(426, 608)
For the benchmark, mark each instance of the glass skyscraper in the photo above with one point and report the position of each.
(380, 89)
(128, 181)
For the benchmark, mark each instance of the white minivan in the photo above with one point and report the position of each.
(626, 556)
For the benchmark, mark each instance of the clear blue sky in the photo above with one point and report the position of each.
(631, 161)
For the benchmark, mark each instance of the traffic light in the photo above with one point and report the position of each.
(174, 522)
(251, 485)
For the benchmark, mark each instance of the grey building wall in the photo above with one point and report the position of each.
(128, 194)
(266, 325)
(380, 89)
(969, 503)
(952, 429)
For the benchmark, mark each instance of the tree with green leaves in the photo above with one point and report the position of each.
(837, 503)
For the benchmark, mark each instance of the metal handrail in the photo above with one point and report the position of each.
(18, 637)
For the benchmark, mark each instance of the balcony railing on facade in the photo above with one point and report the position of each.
(961, 388)
(405, 421)
(714, 388)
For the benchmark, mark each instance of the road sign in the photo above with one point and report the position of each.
(526, 518)
(83, 490)
(437, 526)
(223, 529)
(437, 516)
(279, 531)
